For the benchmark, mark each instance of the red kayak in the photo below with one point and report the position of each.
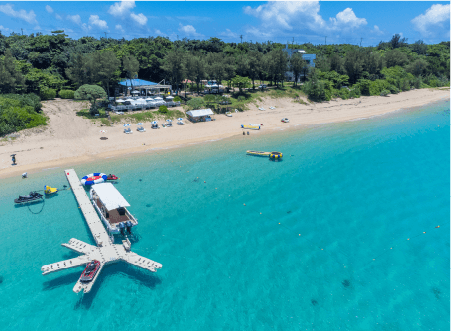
(90, 271)
(112, 177)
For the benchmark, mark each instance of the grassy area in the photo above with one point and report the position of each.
(132, 117)
(241, 101)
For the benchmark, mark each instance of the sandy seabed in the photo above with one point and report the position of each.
(70, 139)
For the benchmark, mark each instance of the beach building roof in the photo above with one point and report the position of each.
(199, 112)
(136, 82)
(110, 197)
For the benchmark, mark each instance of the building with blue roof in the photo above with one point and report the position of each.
(144, 87)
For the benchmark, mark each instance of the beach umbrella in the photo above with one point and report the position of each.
(127, 124)
(179, 119)
(139, 124)
(135, 92)
(169, 121)
(155, 122)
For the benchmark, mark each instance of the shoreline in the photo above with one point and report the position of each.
(71, 140)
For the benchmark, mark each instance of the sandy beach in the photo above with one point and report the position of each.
(70, 140)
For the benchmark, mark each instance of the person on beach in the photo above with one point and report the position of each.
(14, 159)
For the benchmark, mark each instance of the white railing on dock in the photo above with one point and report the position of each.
(105, 252)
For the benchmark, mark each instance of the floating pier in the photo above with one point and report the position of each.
(105, 252)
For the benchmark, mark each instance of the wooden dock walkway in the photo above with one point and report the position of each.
(105, 252)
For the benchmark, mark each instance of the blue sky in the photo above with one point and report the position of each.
(340, 21)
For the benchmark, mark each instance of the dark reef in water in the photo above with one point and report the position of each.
(346, 283)
(148, 205)
(314, 302)
(436, 292)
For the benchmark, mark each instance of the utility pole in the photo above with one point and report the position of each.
(292, 42)
(105, 35)
(361, 42)
(22, 31)
(325, 38)
(241, 36)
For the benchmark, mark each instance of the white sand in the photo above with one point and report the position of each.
(70, 139)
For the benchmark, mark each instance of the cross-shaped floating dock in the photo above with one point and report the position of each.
(105, 252)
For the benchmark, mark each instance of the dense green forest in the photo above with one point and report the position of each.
(55, 65)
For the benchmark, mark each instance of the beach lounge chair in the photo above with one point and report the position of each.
(128, 130)
(141, 129)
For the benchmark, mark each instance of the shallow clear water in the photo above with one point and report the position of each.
(347, 197)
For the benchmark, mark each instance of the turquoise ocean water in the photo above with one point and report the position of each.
(318, 241)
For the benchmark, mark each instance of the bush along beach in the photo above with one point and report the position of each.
(92, 68)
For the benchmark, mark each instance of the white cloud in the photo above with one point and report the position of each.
(85, 27)
(119, 27)
(159, 33)
(3, 29)
(300, 18)
(189, 30)
(58, 17)
(434, 17)
(229, 34)
(29, 17)
(49, 9)
(37, 28)
(122, 8)
(346, 20)
(141, 19)
(377, 31)
(95, 20)
(74, 18)
(286, 15)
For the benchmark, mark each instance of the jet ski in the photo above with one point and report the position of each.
(50, 190)
(33, 196)
(90, 271)
(112, 177)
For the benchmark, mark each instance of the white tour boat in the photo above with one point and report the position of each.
(111, 207)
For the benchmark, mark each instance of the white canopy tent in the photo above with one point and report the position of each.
(199, 112)
(110, 197)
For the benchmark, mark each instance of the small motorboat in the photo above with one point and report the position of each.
(228, 114)
(90, 271)
(33, 196)
(112, 177)
(285, 120)
(50, 190)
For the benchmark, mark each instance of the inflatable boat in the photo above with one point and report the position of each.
(95, 178)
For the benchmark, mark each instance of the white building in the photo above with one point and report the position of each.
(309, 58)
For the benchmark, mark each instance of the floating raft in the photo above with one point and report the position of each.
(257, 153)
(271, 155)
(250, 127)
